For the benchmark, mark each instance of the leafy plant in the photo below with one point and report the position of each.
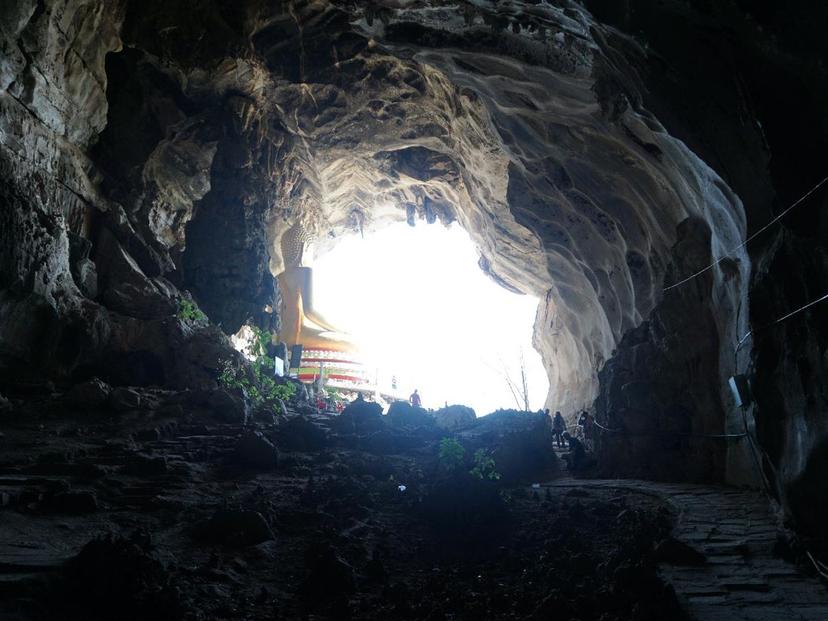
(261, 339)
(188, 311)
(259, 382)
(451, 454)
(484, 466)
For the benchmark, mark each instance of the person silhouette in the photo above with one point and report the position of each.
(558, 428)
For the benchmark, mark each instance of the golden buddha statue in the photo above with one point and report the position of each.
(301, 322)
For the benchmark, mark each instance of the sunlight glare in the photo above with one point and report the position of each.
(416, 302)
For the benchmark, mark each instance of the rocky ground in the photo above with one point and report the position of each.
(137, 504)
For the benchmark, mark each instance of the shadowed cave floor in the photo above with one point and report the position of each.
(191, 517)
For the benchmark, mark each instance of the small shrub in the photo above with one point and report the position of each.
(451, 454)
(283, 391)
(188, 311)
(260, 383)
(484, 466)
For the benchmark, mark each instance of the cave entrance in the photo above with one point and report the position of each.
(418, 308)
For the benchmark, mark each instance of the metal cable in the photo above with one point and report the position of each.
(781, 319)
(687, 434)
(721, 436)
(751, 237)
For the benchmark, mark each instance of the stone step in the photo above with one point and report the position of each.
(742, 579)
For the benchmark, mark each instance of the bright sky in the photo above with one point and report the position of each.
(415, 299)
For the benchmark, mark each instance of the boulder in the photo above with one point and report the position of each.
(256, 451)
(198, 355)
(264, 416)
(360, 417)
(230, 407)
(454, 417)
(520, 444)
(403, 414)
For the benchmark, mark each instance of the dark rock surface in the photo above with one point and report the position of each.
(236, 528)
(256, 451)
(122, 399)
(655, 412)
(789, 383)
(454, 417)
(329, 534)
(90, 394)
(360, 417)
(330, 582)
(301, 434)
(519, 442)
(675, 552)
(71, 502)
(403, 414)
(115, 577)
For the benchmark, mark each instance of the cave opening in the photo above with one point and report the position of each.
(420, 310)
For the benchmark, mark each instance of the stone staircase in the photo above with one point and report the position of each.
(743, 579)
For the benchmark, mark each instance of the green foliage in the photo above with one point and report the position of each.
(283, 391)
(258, 381)
(261, 339)
(451, 454)
(484, 466)
(188, 311)
(230, 376)
(261, 389)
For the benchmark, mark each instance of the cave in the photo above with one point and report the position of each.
(650, 171)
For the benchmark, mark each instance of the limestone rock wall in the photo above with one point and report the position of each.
(660, 392)
(82, 290)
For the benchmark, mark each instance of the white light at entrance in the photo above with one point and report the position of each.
(415, 301)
